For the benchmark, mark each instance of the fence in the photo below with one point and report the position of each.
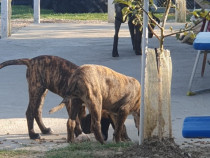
(21, 2)
(189, 3)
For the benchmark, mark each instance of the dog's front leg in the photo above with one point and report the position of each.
(119, 129)
(73, 108)
(78, 129)
(124, 135)
(70, 130)
(96, 122)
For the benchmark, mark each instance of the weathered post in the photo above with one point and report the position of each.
(180, 12)
(158, 74)
(111, 11)
(6, 12)
(36, 11)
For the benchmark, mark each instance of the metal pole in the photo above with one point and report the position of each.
(144, 48)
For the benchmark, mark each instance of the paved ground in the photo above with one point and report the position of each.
(88, 44)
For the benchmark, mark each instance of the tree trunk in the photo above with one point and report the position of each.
(158, 73)
(180, 13)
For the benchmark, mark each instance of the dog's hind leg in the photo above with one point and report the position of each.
(35, 95)
(38, 115)
(115, 43)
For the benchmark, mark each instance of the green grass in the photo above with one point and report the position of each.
(87, 150)
(77, 150)
(81, 16)
(171, 16)
(22, 12)
(26, 12)
(14, 153)
(160, 16)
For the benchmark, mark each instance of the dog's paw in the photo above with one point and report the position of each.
(35, 136)
(47, 131)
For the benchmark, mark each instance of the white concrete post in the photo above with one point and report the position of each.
(9, 17)
(180, 12)
(111, 11)
(36, 11)
(4, 19)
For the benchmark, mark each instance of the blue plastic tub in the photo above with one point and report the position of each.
(196, 127)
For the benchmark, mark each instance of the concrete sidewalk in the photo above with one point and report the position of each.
(92, 44)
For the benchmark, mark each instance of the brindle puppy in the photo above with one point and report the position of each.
(43, 73)
(99, 87)
(85, 122)
(106, 121)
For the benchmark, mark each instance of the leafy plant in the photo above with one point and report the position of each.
(135, 7)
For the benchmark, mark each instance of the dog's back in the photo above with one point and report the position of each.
(116, 89)
(51, 71)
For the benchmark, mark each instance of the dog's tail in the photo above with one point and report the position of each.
(58, 107)
(15, 62)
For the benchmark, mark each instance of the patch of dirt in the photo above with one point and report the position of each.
(166, 148)
(17, 24)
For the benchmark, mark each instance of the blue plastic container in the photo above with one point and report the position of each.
(196, 127)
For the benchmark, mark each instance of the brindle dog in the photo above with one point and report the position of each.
(85, 122)
(43, 73)
(49, 73)
(106, 121)
(99, 87)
